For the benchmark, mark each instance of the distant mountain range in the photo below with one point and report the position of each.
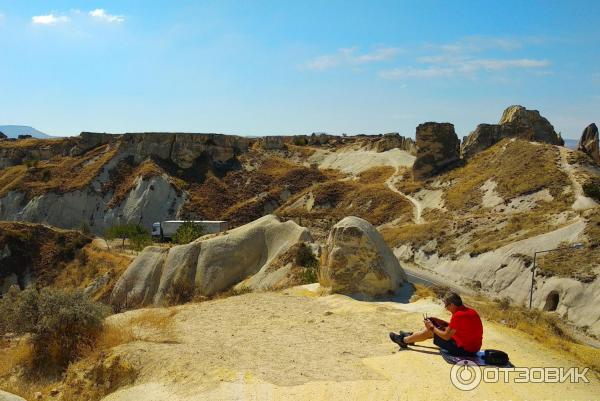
(13, 131)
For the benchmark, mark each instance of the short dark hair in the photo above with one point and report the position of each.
(452, 298)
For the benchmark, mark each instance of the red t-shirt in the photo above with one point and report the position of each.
(469, 330)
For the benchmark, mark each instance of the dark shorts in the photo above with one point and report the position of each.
(450, 346)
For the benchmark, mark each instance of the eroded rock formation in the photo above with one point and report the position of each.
(356, 260)
(438, 148)
(516, 122)
(208, 265)
(589, 142)
(394, 140)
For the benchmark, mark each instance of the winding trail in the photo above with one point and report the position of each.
(582, 202)
(417, 207)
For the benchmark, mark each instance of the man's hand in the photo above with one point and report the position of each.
(428, 324)
(439, 322)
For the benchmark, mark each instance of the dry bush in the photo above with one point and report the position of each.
(93, 378)
(95, 374)
(60, 324)
(89, 264)
(13, 356)
(239, 291)
(156, 319)
(182, 291)
(421, 292)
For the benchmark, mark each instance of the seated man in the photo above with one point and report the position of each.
(461, 337)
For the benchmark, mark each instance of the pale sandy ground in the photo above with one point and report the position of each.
(355, 161)
(296, 346)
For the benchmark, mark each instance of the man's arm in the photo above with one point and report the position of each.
(439, 322)
(445, 333)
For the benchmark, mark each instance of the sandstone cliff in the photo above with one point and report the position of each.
(516, 122)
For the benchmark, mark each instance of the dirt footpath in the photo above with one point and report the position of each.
(296, 346)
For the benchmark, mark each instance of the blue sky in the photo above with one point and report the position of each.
(283, 67)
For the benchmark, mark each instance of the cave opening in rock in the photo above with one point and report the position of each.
(552, 301)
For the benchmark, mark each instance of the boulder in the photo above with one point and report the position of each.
(209, 265)
(356, 260)
(2, 135)
(589, 142)
(438, 148)
(4, 396)
(516, 122)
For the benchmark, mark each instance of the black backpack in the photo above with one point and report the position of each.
(495, 357)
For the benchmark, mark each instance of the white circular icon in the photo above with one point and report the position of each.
(465, 375)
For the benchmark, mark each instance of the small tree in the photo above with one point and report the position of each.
(140, 240)
(135, 233)
(187, 232)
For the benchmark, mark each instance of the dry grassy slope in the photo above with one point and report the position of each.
(57, 174)
(239, 191)
(37, 251)
(534, 195)
(365, 196)
(53, 257)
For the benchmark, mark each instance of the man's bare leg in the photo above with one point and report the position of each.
(418, 336)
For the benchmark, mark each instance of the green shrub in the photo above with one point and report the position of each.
(138, 236)
(187, 232)
(140, 240)
(309, 264)
(308, 275)
(61, 324)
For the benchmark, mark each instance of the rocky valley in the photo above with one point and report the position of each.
(322, 226)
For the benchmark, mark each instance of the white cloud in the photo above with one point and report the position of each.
(349, 56)
(462, 67)
(463, 58)
(410, 72)
(101, 15)
(49, 19)
(475, 44)
(501, 64)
